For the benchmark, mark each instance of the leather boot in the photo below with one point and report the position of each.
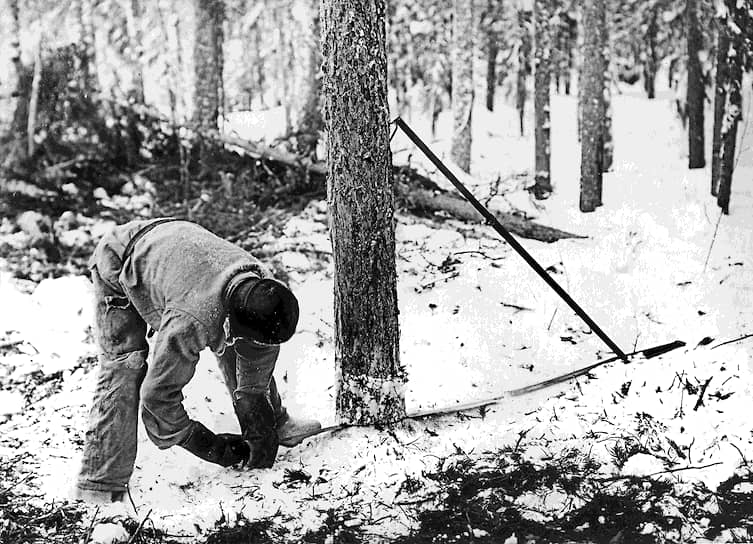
(291, 431)
(257, 419)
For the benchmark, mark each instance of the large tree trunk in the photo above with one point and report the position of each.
(592, 105)
(733, 105)
(207, 52)
(370, 379)
(720, 97)
(462, 82)
(695, 91)
(542, 187)
(310, 122)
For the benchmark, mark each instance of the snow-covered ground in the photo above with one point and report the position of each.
(642, 274)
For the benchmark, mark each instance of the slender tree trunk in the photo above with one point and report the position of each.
(695, 91)
(570, 39)
(542, 82)
(82, 13)
(134, 15)
(720, 97)
(491, 68)
(608, 157)
(650, 65)
(370, 379)
(524, 62)
(592, 103)
(15, 137)
(207, 66)
(310, 118)
(462, 82)
(733, 105)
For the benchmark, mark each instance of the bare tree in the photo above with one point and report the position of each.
(592, 106)
(208, 63)
(134, 21)
(650, 65)
(310, 122)
(720, 98)
(371, 381)
(462, 82)
(737, 25)
(542, 82)
(524, 65)
(695, 91)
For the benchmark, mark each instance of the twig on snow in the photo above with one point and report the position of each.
(436, 280)
(138, 529)
(91, 525)
(699, 403)
(516, 307)
(19, 482)
(738, 339)
(711, 245)
(668, 471)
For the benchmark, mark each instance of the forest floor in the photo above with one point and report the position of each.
(653, 451)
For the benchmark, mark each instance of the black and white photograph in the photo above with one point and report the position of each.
(376, 271)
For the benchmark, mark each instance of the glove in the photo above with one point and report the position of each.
(221, 449)
(258, 423)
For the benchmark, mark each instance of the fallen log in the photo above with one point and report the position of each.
(414, 191)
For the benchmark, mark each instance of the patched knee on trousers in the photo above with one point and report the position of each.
(135, 360)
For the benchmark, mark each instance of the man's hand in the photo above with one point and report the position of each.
(223, 449)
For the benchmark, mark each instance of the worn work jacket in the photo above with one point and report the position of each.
(177, 278)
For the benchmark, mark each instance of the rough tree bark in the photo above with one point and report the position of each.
(608, 150)
(695, 90)
(462, 82)
(720, 97)
(207, 64)
(370, 378)
(592, 106)
(542, 187)
(310, 122)
(734, 23)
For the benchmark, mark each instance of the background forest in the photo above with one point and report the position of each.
(611, 136)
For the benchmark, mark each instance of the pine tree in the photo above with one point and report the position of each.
(462, 82)
(208, 64)
(370, 379)
(720, 98)
(542, 82)
(592, 105)
(695, 91)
